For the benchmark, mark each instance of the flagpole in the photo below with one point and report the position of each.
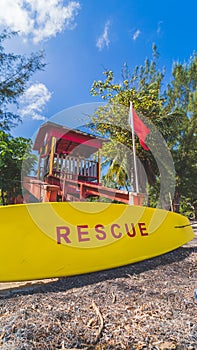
(131, 122)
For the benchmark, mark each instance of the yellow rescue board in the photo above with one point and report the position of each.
(46, 240)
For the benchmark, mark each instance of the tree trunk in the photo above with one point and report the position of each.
(3, 197)
(176, 202)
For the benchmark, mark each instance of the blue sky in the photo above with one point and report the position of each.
(83, 38)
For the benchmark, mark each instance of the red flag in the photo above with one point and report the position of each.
(140, 128)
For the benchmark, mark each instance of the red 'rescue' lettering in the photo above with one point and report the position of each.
(99, 229)
(62, 232)
(82, 233)
(143, 230)
(132, 232)
(113, 232)
(100, 232)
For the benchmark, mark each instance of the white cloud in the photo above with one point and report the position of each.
(136, 34)
(159, 25)
(39, 19)
(34, 100)
(103, 40)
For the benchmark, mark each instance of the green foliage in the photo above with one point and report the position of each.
(173, 112)
(186, 208)
(15, 153)
(15, 72)
(16, 160)
(143, 88)
(182, 100)
(119, 171)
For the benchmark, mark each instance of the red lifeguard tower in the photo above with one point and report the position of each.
(69, 167)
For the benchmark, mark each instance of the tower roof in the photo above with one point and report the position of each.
(68, 141)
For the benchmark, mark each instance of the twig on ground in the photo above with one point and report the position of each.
(114, 298)
(96, 309)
